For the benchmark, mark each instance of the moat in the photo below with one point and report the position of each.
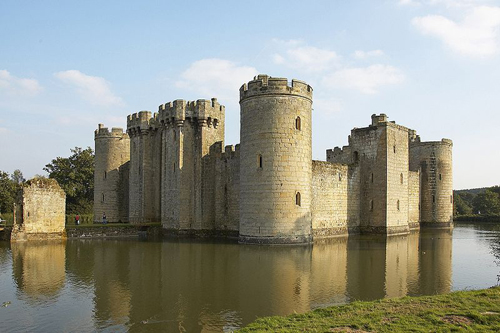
(188, 286)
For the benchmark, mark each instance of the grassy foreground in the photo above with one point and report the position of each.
(473, 311)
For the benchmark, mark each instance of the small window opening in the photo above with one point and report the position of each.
(103, 197)
(174, 167)
(398, 205)
(356, 156)
(340, 177)
(419, 206)
(440, 177)
(105, 174)
(371, 205)
(394, 148)
(297, 198)
(433, 199)
(401, 178)
(372, 178)
(297, 123)
(260, 161)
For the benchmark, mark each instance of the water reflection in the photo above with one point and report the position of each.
(38, 269)
(209, 287)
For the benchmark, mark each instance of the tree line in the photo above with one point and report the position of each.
(75, 175)
(484, 201)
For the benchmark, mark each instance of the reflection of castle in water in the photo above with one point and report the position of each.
(205, 286)
(39, 268)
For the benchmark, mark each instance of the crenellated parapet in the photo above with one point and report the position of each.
(202, 112)
(104, 133)
(264, 84)
(142, 122)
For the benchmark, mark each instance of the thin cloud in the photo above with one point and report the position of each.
(368, 54)
(13, 85)
(304, 58)
(93, 89)
(215, 77)
(365, 79)
(476, 36)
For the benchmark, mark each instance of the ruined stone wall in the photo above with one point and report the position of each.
(329, 199)
(434, 159)
(188, 172)
(227, 190)
(42, 211)
(414, 199)
(275, 161)
(112, 153)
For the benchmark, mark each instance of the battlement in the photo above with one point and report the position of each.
(202, 109)
(267, 85)
(142, 120)
(231, 151)
(444, 143)
(104, 132)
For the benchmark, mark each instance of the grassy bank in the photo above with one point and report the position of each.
(477, 311)
(477, 218)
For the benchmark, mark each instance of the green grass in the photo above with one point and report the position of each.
(464, 311)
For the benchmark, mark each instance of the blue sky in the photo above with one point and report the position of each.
(431, 65)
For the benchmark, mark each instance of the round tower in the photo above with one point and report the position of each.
(434, 159)
(112, 152)
(275, 161)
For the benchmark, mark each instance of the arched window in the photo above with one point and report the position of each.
(297, 198)
(401, 178)
(297, 123)
(259, 161)
(398, 205)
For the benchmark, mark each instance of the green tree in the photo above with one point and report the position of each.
(17, 177)
(487, 202)
(461, 206)
(7, 192)
(75, 175)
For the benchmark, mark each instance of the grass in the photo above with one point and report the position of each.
(472, 311)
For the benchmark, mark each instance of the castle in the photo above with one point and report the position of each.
(172, 167)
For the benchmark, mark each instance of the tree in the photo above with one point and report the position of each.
(461, 206)
(75, 175)
(7, 192)
(17, 177)
(487, 202)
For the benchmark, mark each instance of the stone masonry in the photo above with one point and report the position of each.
(40, 211)
(172, 167)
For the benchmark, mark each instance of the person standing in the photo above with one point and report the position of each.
(77, 219)
(104, 221)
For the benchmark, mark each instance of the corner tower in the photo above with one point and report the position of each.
(434, 159)
(112, 155)
(275, 161)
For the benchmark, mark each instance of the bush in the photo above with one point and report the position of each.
(84, 218)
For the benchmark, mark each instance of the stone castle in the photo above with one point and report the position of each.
(172, 167)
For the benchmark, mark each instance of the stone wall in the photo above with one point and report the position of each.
(275, 161)
(227, 190)
(41, 211)
(112, 154)
(414, 199)
(434, 160)
(329, 199)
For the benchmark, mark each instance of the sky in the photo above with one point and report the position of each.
(430, 65)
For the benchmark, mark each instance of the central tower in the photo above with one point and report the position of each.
(275, 161)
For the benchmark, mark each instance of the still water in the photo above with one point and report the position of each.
(187, 286)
